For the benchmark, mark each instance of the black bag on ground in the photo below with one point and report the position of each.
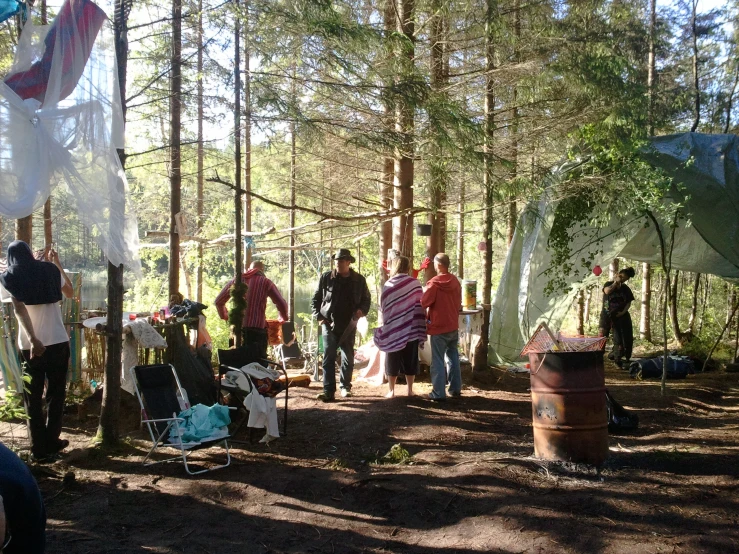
(678, 367)
(620, 420)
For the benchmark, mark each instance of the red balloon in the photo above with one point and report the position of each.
(597, 271)
(482, 246)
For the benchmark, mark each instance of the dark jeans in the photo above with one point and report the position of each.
(330, 346)
(623, 337)
(256, 340)
(49, 369)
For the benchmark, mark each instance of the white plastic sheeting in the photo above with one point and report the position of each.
(706, 242)
(61, 122)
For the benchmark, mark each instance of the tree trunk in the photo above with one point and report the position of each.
(238, 246)
(437, 166)
(388, 165)
(696, 83)
(694, 304)
(512, 208)
(47, 224)
(247, 130)
(107, 431)
(587, 308)
(704, 304)
(404, 126)
(666, 256)
(386, 227)
(645, 326)
(200, 153)
(674, 313)
(175, 176)
(291, 254)
(730, 99)
(651, 67)
(481, 352)
(460, 230)
(581, 312)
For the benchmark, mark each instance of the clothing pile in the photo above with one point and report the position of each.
(262, 385)
(202, 424)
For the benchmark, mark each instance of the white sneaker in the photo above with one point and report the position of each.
(345, 393)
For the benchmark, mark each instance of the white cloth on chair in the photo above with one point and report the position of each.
(262, 409)
(144, 335)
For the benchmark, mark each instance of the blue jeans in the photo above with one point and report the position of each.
(330, 346)
(441, 345)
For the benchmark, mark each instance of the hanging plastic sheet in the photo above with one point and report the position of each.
(706, 241)
(10, 365)
(66, 130)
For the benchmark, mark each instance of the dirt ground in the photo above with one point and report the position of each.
(473, 484)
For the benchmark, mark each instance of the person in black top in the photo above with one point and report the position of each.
(617, 298)
(342, 297)
(22, 514)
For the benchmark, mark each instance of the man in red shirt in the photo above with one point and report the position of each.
(442, 299)
(254, 325)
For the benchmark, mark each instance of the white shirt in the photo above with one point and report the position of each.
(46, 320)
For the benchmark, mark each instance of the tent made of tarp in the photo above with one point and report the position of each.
(706, 240)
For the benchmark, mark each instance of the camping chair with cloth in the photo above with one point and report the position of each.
(162, 398)
(243, 375)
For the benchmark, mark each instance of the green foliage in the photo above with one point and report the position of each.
(396, 455)
(612, 183)
(11, 408)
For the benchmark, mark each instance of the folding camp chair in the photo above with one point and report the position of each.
(290, 352)
(157, 388)
(233, 360)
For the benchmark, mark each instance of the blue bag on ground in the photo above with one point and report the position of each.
(678, 367)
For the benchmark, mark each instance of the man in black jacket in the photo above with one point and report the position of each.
(341, 299)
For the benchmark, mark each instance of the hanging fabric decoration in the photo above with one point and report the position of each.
(8, 8)
(61, 122)
(76, 26)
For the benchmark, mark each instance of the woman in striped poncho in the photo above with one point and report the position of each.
(404, 324)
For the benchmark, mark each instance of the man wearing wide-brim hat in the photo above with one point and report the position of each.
(341, 299)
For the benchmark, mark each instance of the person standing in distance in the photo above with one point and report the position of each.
(254, 324)
(342, 297)
(403, 325)
(617, 299)
(442, 299)
(35, 288)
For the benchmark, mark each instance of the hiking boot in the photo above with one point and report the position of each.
(323, 397)
(455, 394)
(45, 457)
(60, 444)
(346, 393)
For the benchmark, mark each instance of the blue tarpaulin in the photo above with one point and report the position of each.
(8, 8)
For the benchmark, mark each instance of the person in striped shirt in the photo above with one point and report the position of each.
(254, 325)
(403, 325)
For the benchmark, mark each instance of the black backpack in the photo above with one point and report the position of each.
(620, 420)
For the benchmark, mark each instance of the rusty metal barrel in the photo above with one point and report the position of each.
(568, 400)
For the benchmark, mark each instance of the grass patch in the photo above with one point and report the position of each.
(396, 455)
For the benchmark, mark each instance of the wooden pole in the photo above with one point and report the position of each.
(175, 176)
(238, 262)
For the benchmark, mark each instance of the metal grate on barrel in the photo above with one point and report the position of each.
(544, 340)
